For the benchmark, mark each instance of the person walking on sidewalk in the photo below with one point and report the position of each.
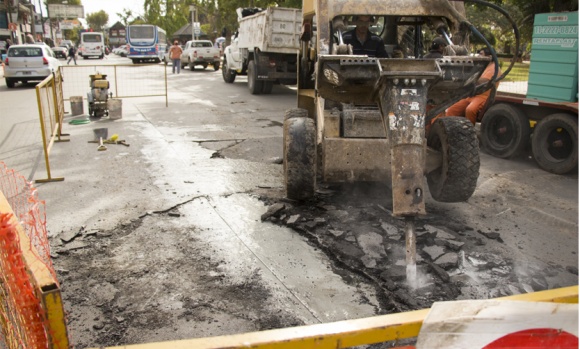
(175, 54)
(72, 52)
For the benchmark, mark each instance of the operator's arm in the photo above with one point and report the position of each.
(487, 74)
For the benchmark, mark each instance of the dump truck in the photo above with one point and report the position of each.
(546, 116)
(265, 48)
(362, 118)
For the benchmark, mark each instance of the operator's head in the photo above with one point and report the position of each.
(363, 23)
(438, 44)
(485, 52)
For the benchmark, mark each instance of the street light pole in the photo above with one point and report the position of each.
(193, 11)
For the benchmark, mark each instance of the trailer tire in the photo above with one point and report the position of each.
(555, 143)
(505, 131)
(456, 179)
(228, 75)
(299, 158)
(254, 85)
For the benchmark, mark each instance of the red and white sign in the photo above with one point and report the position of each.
(495, 324)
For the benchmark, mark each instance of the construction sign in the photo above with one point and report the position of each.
(495, 324)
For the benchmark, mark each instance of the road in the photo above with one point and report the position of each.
(170, 242)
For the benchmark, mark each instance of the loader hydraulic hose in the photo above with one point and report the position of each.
(478, 89)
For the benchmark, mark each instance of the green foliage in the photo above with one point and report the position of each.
(126, 16)
(97, 20)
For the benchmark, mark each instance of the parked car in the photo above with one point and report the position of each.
(60, 51)
(30, 62)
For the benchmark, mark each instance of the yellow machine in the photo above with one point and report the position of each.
(99, 95)
(362, 118)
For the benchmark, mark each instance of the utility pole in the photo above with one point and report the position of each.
(32, 20)
(12, 33)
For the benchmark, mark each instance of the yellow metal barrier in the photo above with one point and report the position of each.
(126, 80)
(342, 334)
(50, 101)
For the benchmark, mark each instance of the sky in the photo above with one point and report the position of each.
(112, 7)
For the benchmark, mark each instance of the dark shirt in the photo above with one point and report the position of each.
(372, 47)
(433, 54)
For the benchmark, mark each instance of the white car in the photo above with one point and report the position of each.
(30, 62)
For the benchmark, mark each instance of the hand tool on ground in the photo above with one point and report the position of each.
(100, 134)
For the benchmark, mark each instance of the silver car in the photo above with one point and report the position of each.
(30, 62)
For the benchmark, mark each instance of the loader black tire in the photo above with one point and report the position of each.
(228, 75)
(555, 143)
(254, 85)
(505, 131)
(299, 158)
(295, 113)
(456, 179)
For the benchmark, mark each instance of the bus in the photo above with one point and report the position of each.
(91, 44)
(145, 43)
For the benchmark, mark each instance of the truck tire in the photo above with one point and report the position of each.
(228, 74)
(216, 66)
(555, 143)
(254, 85)
(190, 64)
(10, 83)
(505, 131)
(456, 179)
(267, 87)
(299, 158)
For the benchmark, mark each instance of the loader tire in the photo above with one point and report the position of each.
(505, 131)
(228, 75)
(555, 143)
(299, 158)
(456, 179)
(254, 85)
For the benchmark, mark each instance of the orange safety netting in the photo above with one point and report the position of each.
(22, 317)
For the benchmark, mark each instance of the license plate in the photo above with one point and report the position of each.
(26, 73)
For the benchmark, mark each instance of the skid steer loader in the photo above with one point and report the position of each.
(361, 118)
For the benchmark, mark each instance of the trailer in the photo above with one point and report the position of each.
(547, 116)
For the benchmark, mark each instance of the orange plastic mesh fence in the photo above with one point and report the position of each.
(23, 319)
(23, 199)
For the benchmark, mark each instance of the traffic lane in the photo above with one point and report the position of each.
(20, 135)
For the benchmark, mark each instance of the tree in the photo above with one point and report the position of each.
(97, 20)
(126, 16)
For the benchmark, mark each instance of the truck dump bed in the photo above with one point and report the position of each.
(276, 29)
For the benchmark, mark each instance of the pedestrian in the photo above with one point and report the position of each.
(175, 54)
(72, 52)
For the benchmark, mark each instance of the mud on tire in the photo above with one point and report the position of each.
(299, 157)
(456, 179)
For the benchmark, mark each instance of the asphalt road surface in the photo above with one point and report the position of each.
(166, 239)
